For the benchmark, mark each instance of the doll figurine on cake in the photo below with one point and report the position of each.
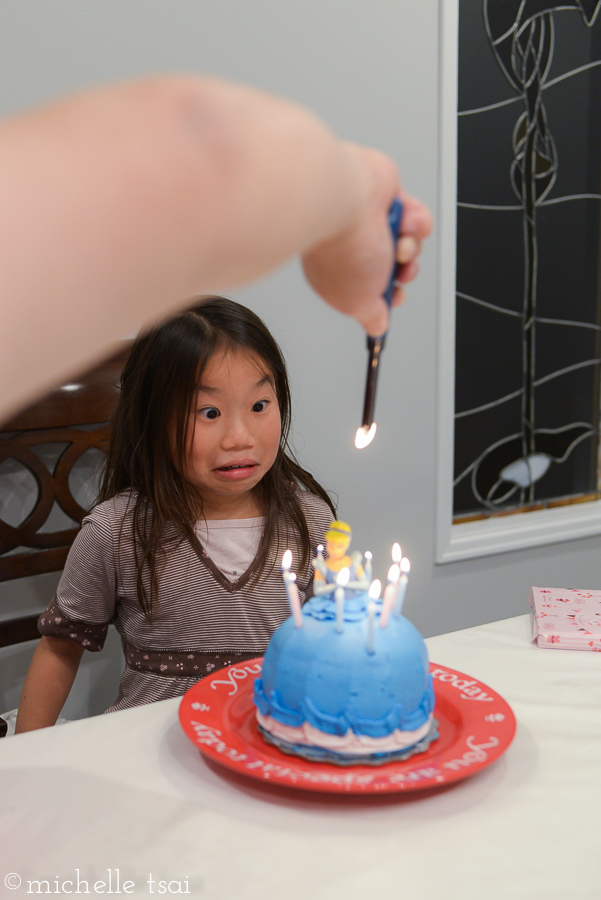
(338, 539)
(346, 680)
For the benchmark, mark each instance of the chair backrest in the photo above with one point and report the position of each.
(41, 449)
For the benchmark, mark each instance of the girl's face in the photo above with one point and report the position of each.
(235, 434)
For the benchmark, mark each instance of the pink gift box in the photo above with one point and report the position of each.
(567, 619)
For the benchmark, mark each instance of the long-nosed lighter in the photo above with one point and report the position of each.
(375, 346)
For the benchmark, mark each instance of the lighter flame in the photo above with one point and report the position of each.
(374, 589)
(343, 576)
(365, 436)
(287, 559)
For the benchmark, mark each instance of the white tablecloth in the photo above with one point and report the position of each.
(127, 798)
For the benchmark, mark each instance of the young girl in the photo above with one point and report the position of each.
(200, 497)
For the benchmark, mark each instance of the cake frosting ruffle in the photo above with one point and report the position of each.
(349, 749)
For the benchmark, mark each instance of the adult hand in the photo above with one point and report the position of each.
(351, 270)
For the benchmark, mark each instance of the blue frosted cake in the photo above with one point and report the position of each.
(338, 687)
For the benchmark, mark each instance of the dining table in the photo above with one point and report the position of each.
(126, 804)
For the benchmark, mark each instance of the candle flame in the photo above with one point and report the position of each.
(397, 553)
(320, 548)
(292, 576)
(365, 436)
(394, 573)
(374, 589)
(287, 560)
(343, 576)
(368, 555)
(405, 566)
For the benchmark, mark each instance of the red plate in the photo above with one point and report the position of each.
(476, 726)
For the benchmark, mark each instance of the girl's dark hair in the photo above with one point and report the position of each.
(150, 435)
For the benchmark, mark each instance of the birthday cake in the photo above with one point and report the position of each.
(346, 678)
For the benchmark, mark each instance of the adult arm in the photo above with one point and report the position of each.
(121, 203)
(48, 682)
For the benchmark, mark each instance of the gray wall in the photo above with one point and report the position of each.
(371, 70)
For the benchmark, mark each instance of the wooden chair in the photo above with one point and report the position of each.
(74, 417)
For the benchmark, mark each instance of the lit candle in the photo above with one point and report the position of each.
(319, 563)
(368, 565)
(291, 589)
(341, 580)
(371, 615)
(295, 601)
(374, 594)
(402, 589)
(390, 593)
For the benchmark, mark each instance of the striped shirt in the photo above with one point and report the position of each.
(201, 620)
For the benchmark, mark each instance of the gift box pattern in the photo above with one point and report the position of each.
(566, 618)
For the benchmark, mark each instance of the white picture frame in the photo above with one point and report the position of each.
(499, 533)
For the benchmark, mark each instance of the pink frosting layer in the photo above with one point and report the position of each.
(349, 743)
